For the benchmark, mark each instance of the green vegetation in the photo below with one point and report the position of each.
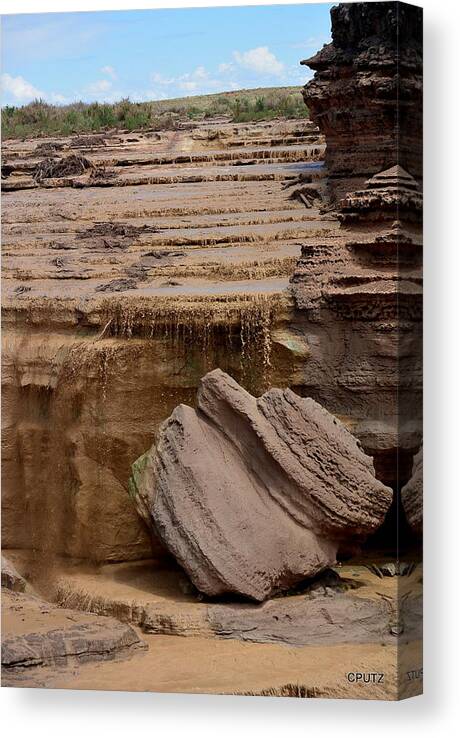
(40, 119)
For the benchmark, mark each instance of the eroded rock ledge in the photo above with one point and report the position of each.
(37, 633)
(360, 302)
(366, 95)
(253, 495)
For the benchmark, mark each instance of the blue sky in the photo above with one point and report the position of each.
(157, 54)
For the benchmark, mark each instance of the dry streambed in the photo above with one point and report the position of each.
(302, 644)
(149, 212)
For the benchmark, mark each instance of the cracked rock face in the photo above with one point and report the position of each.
(366, 95)
(253, 495)
(412, 495)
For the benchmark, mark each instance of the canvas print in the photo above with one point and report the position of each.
(212, 354)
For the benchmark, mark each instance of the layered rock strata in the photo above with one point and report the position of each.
(359, 296)
(121, 287)
(366, 95)
(253, 495)
(36, 634)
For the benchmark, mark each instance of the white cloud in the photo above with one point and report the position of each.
(259, 60)
(19, 88)
(200, 73)
(101, 85)
(21, 91)
(225, 67)
(110, 71)
(102, 91)
(195, 80)
(159, 79)
(148, 95)
(57, 99)
(188, 85)
(198, 80)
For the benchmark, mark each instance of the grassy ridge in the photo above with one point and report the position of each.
(40, 119)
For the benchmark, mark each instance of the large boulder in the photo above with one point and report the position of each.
(253, 495)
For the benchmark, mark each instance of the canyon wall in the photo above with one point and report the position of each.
(359, 290)
(359, 296)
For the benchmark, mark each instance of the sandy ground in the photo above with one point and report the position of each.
(202, 662)
(198, 665)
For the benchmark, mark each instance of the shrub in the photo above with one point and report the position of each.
(39, 118)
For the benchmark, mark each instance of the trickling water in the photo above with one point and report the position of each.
(95, 398)
(205, 325)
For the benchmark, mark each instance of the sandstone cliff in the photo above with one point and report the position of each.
(359, 291)
(366, 95)
(359, 296)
